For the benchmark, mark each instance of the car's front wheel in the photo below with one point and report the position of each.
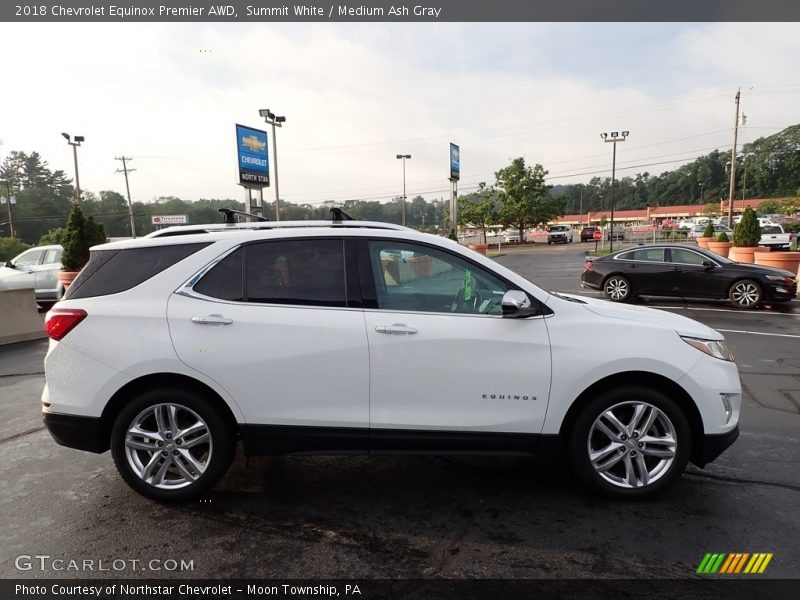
(630, 443)
(618, 289)
(171, 445)
(745, 293)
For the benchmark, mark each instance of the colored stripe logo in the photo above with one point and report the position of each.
(734, 563)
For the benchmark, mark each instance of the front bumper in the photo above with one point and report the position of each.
(713, 445)
(73, 431)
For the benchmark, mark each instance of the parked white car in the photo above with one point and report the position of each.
(358, 337)
(35, 268)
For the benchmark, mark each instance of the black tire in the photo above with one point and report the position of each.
(549, 242)
(665, 470)
(617, 288)
(217, 455)
(746, 294)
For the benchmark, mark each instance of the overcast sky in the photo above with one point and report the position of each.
(355, 95)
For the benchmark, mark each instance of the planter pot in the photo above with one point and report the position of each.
(422, 265)
(744, 254)
(703, 241)
(721, 248)
(788, 261)
(482, 248)
(65, 278)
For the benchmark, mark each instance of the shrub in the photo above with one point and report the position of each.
(80, 234)
(709, 231)
(747, 233)
(723, 237)
(10, 247)
(54, 236)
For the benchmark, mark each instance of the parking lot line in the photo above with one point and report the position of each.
(786, 335)
(729, 310)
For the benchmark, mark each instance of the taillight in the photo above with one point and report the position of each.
(60, 321)
(587, 265)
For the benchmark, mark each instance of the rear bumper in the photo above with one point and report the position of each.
(72, 431)
(714, 445)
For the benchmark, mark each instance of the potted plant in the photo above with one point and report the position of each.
(79, 235)
(708, 236)
(746, 235)
(788, 261)
(721, 245)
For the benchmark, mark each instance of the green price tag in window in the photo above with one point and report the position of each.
(469, 285)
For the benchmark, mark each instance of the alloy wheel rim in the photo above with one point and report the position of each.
(632, 444)
(745, 294)
(168, 446)
(616, 288)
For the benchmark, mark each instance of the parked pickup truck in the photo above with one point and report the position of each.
(775, 237)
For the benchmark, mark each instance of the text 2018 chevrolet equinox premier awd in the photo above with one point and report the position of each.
(358, 337)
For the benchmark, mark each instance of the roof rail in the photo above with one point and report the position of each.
(229, 212)
(338, 215)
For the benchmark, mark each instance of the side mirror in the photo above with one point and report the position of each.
(708, 264)
(517, 305)
(9, 264)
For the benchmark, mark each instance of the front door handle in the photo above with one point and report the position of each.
(674, 268)
(211, 320)
(396, 329)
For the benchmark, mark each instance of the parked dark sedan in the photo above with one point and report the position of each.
(587, 233)
(686, 272)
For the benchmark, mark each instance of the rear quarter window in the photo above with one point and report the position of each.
(114, 271)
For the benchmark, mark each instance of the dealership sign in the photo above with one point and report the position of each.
(455, 162)
(170, 219)
(251, 147)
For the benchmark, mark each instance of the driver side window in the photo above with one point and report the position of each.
(416, 278)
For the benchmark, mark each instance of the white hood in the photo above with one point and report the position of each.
(681, 325)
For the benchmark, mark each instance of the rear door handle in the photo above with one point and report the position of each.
(211, 320)
(396, 329)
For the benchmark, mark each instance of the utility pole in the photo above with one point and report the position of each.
(126, 170)
(276, 121)
(8, 199)
(614, 138)
(733, 161)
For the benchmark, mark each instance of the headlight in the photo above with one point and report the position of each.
(711, 347)
(785, 280)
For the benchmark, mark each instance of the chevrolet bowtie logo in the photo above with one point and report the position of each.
(253, 143)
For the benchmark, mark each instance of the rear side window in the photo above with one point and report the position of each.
(300, 272)
(114, 271)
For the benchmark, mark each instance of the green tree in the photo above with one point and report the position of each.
(81, 233)
(747, 233)
(523, 196)
(478, 208)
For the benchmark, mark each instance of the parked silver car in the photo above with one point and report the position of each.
(36, 268)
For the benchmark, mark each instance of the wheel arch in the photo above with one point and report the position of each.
(159, 381)
(639, 379)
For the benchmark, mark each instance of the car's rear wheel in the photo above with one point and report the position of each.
(630, 443)
(746, 293)
(171, 445)
(618, 289)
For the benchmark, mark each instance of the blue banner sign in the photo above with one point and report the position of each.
(251, 147)
(455, 162)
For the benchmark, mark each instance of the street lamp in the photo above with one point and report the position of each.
(613, 138)
(404, 157)
(75, 142)
(275, 121)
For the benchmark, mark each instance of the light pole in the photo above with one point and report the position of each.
(77, 142)
(613, 138)
(275, 121)
(404, 157)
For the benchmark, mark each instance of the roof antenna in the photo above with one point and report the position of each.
(229, 212)
(338, 215)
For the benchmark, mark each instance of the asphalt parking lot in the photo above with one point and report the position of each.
(397, 517)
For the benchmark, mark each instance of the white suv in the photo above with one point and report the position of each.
(364, 338)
